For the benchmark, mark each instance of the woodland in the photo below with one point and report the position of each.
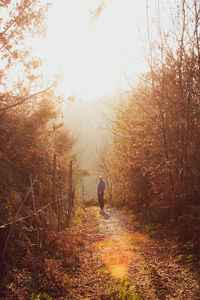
(36, 149)
(151, 166)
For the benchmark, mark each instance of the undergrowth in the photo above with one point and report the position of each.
(44, 273)
(123, 291)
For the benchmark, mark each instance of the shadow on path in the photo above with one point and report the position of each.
(118, 260)
(103, 214)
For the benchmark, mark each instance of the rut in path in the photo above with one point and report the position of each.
(119, 262)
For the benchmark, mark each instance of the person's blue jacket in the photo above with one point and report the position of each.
(101, 186)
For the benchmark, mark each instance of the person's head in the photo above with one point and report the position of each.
(100, 178)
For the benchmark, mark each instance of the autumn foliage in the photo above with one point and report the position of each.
(32, 132)
(154, 162)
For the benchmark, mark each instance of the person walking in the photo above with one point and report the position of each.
(100, 191)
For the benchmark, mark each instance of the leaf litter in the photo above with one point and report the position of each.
(103, 256)
(120, 261)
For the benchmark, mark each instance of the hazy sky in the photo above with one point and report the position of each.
(94, 53)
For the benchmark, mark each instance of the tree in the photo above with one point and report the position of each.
(156, 129)
(19, 19)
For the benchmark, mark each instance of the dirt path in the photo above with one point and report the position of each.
(119, 262)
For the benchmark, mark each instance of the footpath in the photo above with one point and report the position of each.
(119, 261)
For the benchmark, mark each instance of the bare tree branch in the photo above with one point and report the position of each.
(22, 100)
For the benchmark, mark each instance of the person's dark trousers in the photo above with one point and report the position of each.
(100, 198)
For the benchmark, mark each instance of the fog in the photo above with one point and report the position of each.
(86, 120)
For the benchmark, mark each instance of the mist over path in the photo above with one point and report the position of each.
(120, 261)
(87, 124)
